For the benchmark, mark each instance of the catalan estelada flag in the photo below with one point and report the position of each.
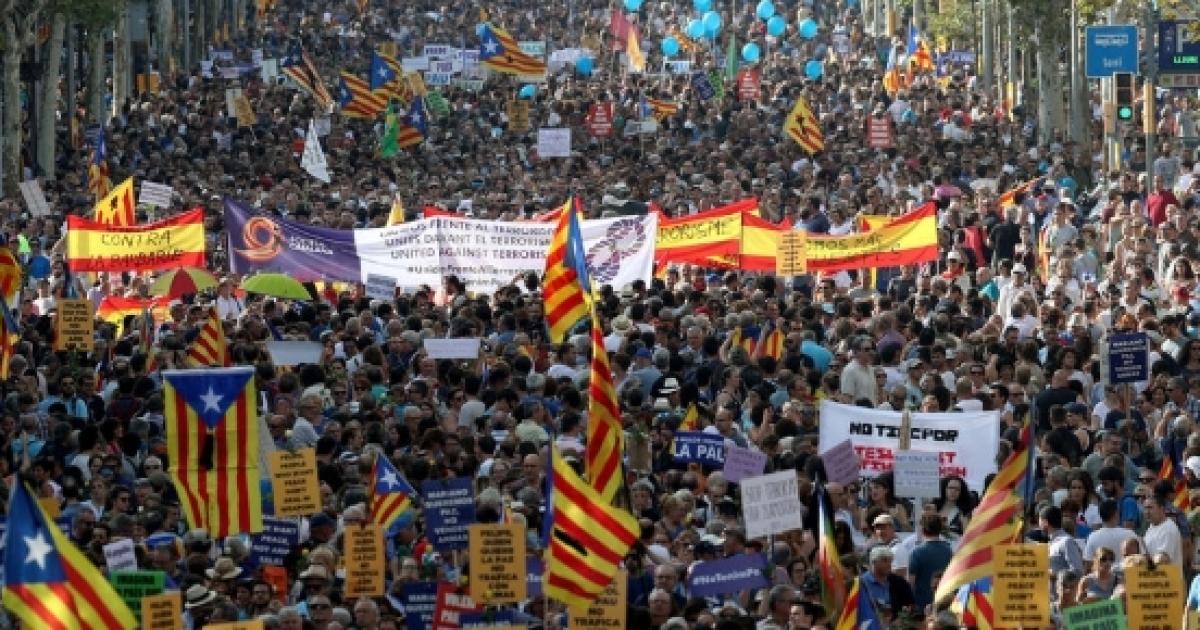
(605, 432)
(772, 343)
(891, 75)
(588, 538)
(859, 612)
(168, 244)
(919, 56)
(387, 77)
(802, 126)
(48, 582)
(662, 109)
(98, 180)
(416, 125)
(391, 496)
(565, 283)
(210, 348)
(299, 67)
(1167, 472)
(500, 52)
(356, 99)
(211, 420)
(116, 208)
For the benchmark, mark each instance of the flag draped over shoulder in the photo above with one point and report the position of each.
(588, 538)
(391, 496)
(212, 446)
(209, 348)
(565, 283)
(48, 582)
(802, 126)
(605, 433)
(500, 52)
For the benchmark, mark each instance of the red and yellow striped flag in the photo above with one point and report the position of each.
(1167, 473)
(210, 348)
(605, 434)
(829, 561)
(565, 283)
(212, 446)
(116, 208)
(691, 419)
(772, 344)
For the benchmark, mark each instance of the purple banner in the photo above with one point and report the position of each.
(728, 575)
(261, 242)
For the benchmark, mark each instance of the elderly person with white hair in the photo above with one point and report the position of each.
(891, 592)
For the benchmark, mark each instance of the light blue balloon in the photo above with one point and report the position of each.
(479, 30)
(633, 5)
(765, 10)
(701, 5)
(695, 29)
(670, 46)
(585, 66)
(750, 52)
(808, 28)
(776, 26)
(814, 69)
(527, 91)
(712, 22)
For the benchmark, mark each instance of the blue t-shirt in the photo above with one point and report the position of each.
(929, 558)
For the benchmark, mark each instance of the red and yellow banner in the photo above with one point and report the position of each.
(697, 238)
(167, 244)
(909, 239)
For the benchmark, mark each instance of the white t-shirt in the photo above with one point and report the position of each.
(1165, 538)
(1107, 538)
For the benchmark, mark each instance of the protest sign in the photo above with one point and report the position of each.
(966, 443)
(419, 599)
(277, 577)
(452, 348)
(741, 463)
(35, 198)
(273, 544)
(297, 491)
(1105, 614)
(381, 287)
(714, 578)
(449, 510)
(609, 609)
(120, 556)
(1021, 597)
(497, 556)
(917, 474)
(518, 115)
(289, 352)
(841, 463)
(1154, 597)
(75, 326)
(553, 142)
(155, 194)
(134, 586)
(1127, 358)
(450, 604)
(697, 446)
(161, 612)
(534, 570)
(771, 504)
(365, 560)
(254, 624)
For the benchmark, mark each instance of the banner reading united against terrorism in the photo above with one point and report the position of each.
(484, 254)
(966, 442)
(167, 244)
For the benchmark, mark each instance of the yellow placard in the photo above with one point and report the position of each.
(294, 480)
(792, 257)
(1154, 597)
(75, 325)
(147, 82)
(497, 555)
(608, 611)
(1022, 599)
(163, 611)
(1193, 620)
(244, 111)
(364, 555)
(256, 624)
(518, 116)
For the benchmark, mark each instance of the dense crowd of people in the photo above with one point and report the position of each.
(1013, 318)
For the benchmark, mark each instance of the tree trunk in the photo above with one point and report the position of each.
(10, 123)
(122, 64)
(48, 103)
(1052, 114)
(199, 30)
(96, 74)
(164, 30)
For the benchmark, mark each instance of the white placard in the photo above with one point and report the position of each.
(313, 160)
(206, 67)
(231, 97)
(438, 51)
(270, 70)
(290, 352)
(35, 199)
(414, 64)
(917, 475)
(533, 48)
(771, 504)
(155, 194)
(966, 443)
(119, 556)
(554, 142)
(682, 66)
(256, 57)
(452, 348)
(381, 287)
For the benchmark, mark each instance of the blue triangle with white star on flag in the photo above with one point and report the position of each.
(209, 392)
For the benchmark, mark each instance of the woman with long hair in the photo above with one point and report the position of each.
(955, 503)
(882, 494)
(1081, 489)
(1102, 581)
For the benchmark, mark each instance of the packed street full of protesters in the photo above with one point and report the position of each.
(688, 315)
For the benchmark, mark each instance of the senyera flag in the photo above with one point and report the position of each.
(167, 244)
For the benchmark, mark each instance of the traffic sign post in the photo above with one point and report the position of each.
(1111, 49)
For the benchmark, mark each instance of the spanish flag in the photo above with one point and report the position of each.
(168, 244)
(212, 446)
(565, 283)
(802, 126)
(116, 208)
(909, 239)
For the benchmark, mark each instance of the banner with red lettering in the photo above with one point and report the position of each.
(599, 120)
(966, 442)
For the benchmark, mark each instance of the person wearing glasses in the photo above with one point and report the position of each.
(858, 377)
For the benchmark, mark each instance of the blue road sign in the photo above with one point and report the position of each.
(1111, 49)
(1178, 52)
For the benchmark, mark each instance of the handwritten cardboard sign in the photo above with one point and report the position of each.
(497, 554)
(75, 326)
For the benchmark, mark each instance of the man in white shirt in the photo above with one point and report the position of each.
(1110, 535)
(1162, 536)
(858, 378)
(228, 305)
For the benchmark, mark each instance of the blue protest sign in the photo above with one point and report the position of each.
(1128, 358)
(419, 601)
(696, 446)
(728, 575)
(486, 619)
(1110, 49)
(449, 509)
(273, 544)
(533, 576)
(702, 87)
